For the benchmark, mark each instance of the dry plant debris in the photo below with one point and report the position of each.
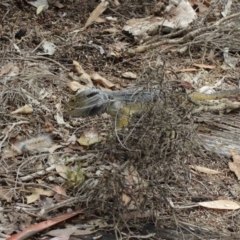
(118, 180)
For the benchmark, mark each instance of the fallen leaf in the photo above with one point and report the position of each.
(220, 204)
(126, 199)
(72, 139)
(90, 137)
(85, 77)
(39, 3)
(36, 192)
(111, 19)
(33, 229)
(41, 8)
(62, 170)
(78, 67)
(5, 194)
(48, 127)
(58, 5)
(116, 2)
(32, 198)
(204, 66)
(6, 69)
(9, 153)
(129, 75)
(101, 80)
(187, 85)
(24, 110)
(111, 30)
(62, 237)
(74, 86)
(100, 20)
(205, 170)
(48, 47)
(96, 13)
(185, 70)
(61, 191)
(235, 165)
(76, 232)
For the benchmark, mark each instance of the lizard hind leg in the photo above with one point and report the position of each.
(125, 113)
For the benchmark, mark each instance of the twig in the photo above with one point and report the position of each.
(189, 36)
(38, 46)
(48, 59)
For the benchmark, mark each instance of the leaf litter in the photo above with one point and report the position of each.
(133, 174)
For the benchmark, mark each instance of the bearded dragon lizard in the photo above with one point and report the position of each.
(124, 103)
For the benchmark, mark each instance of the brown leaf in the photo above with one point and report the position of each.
(116, 2)
(61, 170)
(205, 170)
(36, 192)
(74, 86)
(32, 198)
(235, 165)
(5, 194)
(220, 204)
(78, 67)
(33, 229)
(204, 66)
(126, 199)
(96, 13)
(61, 191)
(101, 80)
(24, 110)
(185, 70)
(85, 77)
(129, 75)
(6, 69)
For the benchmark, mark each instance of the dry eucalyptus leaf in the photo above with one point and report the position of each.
(74, 86)
(220, 204)
(111, 30)
(32, 198)
(85, 77)
(36, 192)
(100, 20)
(78, 67)
(111, 19)
(116, 2)
(61, 170)
(204, 66)
(41, 8)
(39, 3)
(205, 170)
(24, 110)
(126, 199)
(9, 153)
(6, 69)
(129, 75)
(96, 13)
(235, 165)
(101, 80)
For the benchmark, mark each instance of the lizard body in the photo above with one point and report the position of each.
(122, 104)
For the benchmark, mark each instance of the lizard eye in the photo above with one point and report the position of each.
(72, 100)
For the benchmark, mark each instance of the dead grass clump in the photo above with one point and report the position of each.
(11, 96)
(140, 168)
